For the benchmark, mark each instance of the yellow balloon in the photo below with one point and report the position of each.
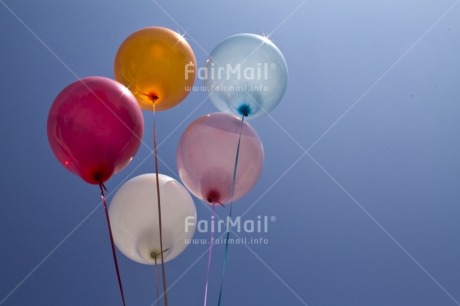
(157, 65)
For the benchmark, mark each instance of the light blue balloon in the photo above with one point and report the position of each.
(246, 74)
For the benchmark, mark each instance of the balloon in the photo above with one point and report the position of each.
(157, 65)
(95, 128)
(134, 217)
(206, 158)
(246, 74)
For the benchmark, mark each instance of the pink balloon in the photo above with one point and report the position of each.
(206, 158)
(95, 127)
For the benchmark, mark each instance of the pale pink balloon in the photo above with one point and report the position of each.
(95, 127)
(206, 158)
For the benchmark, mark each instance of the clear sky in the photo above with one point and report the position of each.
(362, 156)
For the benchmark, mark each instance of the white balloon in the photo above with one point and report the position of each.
(134, 218)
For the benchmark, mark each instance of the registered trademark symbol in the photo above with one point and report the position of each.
(273, 219)
(273, 66)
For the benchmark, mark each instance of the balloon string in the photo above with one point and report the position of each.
(163, 272)
(227, 237)
(213, 217)
(157, 281)
(114, 253)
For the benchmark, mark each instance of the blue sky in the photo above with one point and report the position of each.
(361, 157)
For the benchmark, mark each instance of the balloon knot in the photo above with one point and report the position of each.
(213, 197)
(155, 254)
(98, 178)
(244, 109)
